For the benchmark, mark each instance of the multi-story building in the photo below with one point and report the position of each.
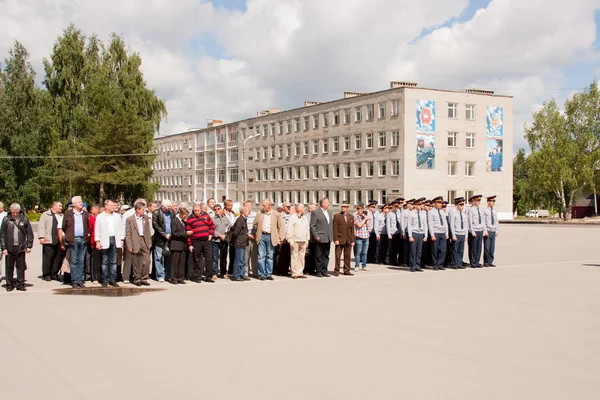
(406, 141)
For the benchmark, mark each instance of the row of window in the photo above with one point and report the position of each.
(453, 168)
(172, 164)
(174, 196)
(231, 175)
(345, 170)
(219, 136)
(221, 156)
(177, 145)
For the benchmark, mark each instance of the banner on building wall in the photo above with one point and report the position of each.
(425, 128)
(494, 143)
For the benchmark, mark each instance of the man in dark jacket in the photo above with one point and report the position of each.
(238, 238)
(76, 235)
(161, 222)
(16, 239)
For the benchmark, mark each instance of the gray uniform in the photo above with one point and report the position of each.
(417, 223)
(417, 230)
(459, 223)
(476, 221)
(401, 221)
(391, 224)
(379, 225)
(490, 220)
(476, 227)
(489, 242)
(436, 221)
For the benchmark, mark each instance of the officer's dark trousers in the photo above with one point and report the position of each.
(489, 243)
(475, 249)
(394, 247)
(373, 246)
(50, 260)
(415, 251)
(438, 250)
(457, 251)
(382, 249)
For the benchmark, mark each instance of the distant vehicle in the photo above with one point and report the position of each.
(538, 214)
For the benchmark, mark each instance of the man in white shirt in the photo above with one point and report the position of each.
(107, 233)
(127, 256)
(297, 235)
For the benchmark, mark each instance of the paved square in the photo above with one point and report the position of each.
(528, 329)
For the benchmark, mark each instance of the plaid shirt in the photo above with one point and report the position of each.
(362, 233)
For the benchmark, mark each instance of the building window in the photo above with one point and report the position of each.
(370, 195)
(325, 146)
(200, 159)
(306, 172)
(210, 140)
(382, 139)
(369, 140)
(288, 150)
(233, 135)
(281, 128)
(210, 158)
(470, 140)
(315, 172)
(452, 139)
(358, 114)
(336, 197)
(272, 151)
(289, 126)
(370, 112)
(297, 173)
(233, 175)
(470, 112)
(382, 168)
(346, 115)
(370, 169)
(258, 174)
(453, 110)
(336, 118)
(262, 129)
(210, 176)
(347, 169)
(358, 170)
(469, 194)
(306, 147)
(221, 136)
(200, 177)
(325, 120)
(357, 142)
(469, 168)
(315, 121)
(336, 144)
(297, 145)
(452, 168)
(315, 147)
(395, 138)
(273, 174)
(336, 171)
(265, 153)
(325, 171)
(281, 174)
(451, 195)
(272, 129)
(395, 167)
(233, 155)
(306, 123)
(297, 125)
(347, 143)
(382, 110)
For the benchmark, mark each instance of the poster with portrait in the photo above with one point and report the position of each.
(425, 151)
(426, 116)
(494, 143)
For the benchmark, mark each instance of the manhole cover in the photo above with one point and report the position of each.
(106, 292)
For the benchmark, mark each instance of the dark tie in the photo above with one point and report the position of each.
(462, 226)
(441, 220)
(54, 239)
(479, 212)
(492, 212)
(419, 217)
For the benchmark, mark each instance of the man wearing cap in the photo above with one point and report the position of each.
(398, 240)
(447, 262)
(476, 229)
(426, 253)
(490, 232)
(381, 234)
(408, 207)
(373, 242)
(438, 231)
(417, 235)
(459, 228)
(362, 224)
(343, 236)
(391, 226)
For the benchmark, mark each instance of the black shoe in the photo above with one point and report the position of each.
(47, 278)
(442, 268)
(238, 279)
(420, 270)
(486, 265)
(326, 275)
(270, 278)
(492, 265)
(319, 275)
(173, 281)
(197, 280)
(181, 282)
(435, 268)
(209, 280)
(10, 289)
(104, 284)
(22, 289)
(262, 278)
(145, 283)
(138, 283)
(113, 284)
(246, 278)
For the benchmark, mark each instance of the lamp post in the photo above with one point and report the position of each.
(246, 164)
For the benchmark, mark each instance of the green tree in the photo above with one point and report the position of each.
(25, 129)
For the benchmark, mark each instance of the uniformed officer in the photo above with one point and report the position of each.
(490, 232)
(426, 254)
(459, 228)
(373, 242)
(408, 207)
(476, 229)
(399, 238)
(381, 234)
(391, 225)
(449, 241)
(417, 235)
(438, 232)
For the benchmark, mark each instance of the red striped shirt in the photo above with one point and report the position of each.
(202, 226)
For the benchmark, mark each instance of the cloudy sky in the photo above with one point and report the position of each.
(226, 59)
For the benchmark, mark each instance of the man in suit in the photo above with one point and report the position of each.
(48, 236)
(268, 231)
(139, 241)
(321, 232)
(343, 235)
(161, 222)
(75, 227)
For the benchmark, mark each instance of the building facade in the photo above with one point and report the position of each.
(406, 141)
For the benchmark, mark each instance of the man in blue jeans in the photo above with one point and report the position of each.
(76, 236)
(362, 225)
(161, 221)
(267, 229)
(238, 240)
(107, 233)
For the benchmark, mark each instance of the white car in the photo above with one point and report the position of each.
(537, 213)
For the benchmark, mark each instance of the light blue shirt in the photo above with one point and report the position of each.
(167, 222)
(78, 221)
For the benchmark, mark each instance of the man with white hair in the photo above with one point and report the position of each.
(16, 239)
(2, 215)
(127, 256)
(76, 235)
(161, 222)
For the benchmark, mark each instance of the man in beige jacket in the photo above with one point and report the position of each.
(139, 242)
(267, 229)
(48, 235)
(298, 234)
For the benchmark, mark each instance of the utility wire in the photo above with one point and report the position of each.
(85, 156)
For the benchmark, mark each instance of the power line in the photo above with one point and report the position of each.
(83, 156)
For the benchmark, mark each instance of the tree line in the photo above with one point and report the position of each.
(564, 158)
(92, 102)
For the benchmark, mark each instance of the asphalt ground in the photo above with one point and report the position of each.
(527, 329)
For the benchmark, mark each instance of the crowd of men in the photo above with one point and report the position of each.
(113, 243)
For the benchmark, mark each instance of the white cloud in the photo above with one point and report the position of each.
(279, 53)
